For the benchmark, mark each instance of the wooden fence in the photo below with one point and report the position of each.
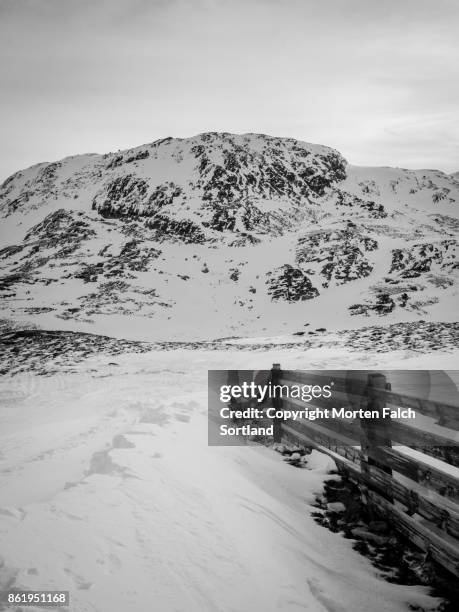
(417, 492)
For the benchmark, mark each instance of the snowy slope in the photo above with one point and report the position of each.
(225, 235)
(110, 491)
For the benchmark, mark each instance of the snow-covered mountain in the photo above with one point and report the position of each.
(226, 235)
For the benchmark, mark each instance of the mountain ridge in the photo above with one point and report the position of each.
(240, 234)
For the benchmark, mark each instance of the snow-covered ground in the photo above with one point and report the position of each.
(109, 490)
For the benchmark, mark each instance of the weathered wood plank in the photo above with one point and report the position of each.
(409, 435)
(349, 454)
(440, 446)
(439, 510)
(442, 511)
(418, 470)
(441, 411)
(430, 444)
(441, 550)
(431, 506)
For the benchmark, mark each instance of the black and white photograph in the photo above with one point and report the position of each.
(229, 330)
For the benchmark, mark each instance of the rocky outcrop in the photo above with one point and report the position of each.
(222, 181)
(290, 284)
(383, 304)
(420, 258)
(61, 229)
(337, 255)
(360, 207)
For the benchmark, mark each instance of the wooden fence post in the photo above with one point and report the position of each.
(376, 431)
(276, 375)
(233, 380)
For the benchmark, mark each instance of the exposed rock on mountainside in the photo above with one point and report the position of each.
(425, 257)
(221, 235)
(338, 255)
(230, 181)
(344, 200)
(290, 284)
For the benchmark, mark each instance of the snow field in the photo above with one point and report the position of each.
(109, 490)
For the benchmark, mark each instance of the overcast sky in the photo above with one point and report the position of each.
(376, 79)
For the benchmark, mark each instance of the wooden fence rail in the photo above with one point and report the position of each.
(417, 491)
